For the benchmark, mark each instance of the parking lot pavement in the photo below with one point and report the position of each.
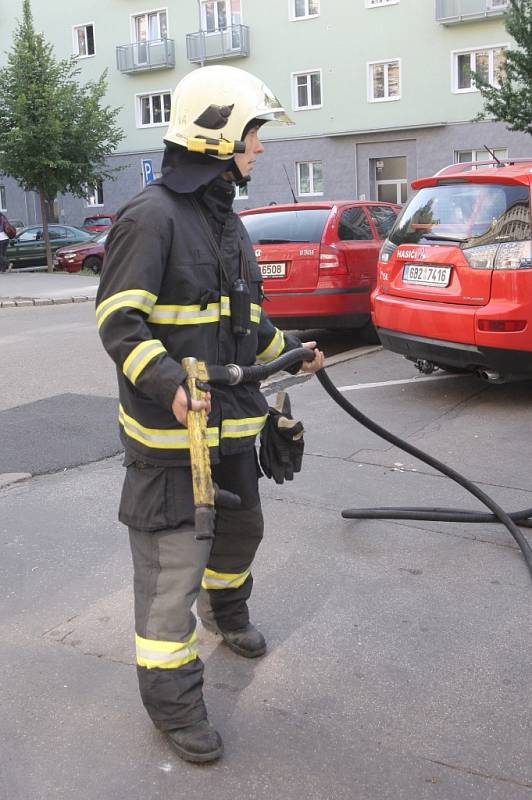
(34, 288)
(399, 652)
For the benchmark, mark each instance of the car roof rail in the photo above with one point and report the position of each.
(453, 169)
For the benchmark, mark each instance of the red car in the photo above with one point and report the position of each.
(98, 222)
(87, 255)
(319, 260)
(455, 273)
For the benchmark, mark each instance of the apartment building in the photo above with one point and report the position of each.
(379, 90)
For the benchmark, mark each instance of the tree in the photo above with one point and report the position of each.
(511, 100)
(55, 137)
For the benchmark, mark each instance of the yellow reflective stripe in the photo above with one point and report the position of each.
(140, 356)
(165, 655)
(184, 315)
(223, 580)
(236, 428)
(225, 306)
(189, 314)
(195, 314)
(161, 438)
(274, 349)
(132, 298)
(255, 313)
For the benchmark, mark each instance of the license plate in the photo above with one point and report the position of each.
(277, 270)
(427, 274)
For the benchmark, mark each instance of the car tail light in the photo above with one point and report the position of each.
(501, 325)
(507, 255)
(386, 250)
(332, 261)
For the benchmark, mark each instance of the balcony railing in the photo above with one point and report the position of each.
(232, 42)
(142, 56)
(450, 12)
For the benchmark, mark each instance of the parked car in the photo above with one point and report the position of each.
(98, 222)
(87, 255)
(18, 224)
(319, 260)
(455, 273)
(27, 248)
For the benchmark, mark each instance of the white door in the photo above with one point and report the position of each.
(147, 28)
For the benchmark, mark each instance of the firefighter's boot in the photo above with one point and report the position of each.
(198, 743)
(247, 641)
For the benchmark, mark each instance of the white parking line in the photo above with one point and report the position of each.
(404, 380)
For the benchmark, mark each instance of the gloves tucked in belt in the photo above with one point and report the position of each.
(281, 442)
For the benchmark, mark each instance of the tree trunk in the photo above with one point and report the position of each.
(44, 218)
(51, 214)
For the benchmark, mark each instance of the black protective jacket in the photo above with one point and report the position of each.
(163, 297)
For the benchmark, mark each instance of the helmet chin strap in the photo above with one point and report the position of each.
(239, 179)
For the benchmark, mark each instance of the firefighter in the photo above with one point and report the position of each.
(174, 260)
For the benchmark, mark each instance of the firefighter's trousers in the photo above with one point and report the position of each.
(172, 569)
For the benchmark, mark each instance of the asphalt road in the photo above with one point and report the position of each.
(399, 659)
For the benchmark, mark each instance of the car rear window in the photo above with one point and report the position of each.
(305, 225)
(98, 221)
(467, 213)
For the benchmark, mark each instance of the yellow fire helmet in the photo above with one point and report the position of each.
(211, 107)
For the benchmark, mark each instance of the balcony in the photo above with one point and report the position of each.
(144, 56)
(452, 12)
(232, 42)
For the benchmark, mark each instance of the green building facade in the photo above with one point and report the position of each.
(379, 90)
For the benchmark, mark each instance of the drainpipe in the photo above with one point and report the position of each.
(202, 39)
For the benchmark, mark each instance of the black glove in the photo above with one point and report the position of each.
(281, 442)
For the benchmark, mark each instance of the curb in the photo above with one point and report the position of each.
(24, 302)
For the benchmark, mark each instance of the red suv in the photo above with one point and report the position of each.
(319, 260)
(455, 273)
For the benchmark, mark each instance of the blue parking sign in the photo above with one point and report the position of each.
(147, 171)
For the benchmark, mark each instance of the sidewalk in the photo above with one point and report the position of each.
(42, 288)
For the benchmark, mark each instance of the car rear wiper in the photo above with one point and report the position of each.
(282, 241)
(435, 237)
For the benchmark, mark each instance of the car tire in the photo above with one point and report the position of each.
(93, 263)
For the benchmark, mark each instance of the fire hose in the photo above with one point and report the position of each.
(202, 377)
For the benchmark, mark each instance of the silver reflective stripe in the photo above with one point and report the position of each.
(172, 438)
(233, 428)
(221, 580)
(274, 349)
(132, 298)
(181, 653)
(140, 356)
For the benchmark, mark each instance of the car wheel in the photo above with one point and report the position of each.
(93, 263)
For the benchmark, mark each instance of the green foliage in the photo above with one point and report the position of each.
(55, 136)
(511, 101)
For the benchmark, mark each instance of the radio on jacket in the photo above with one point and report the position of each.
(240, 301)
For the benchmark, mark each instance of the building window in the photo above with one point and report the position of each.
(303, 9)
(384, 81)
(465, 156)
(153, 109)
(84, 40)
(150, 27)
(241, 192)
(487, 61)
(95, 195)
(306, 90)
(309, 177)
(3, 200)
(378, 3)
